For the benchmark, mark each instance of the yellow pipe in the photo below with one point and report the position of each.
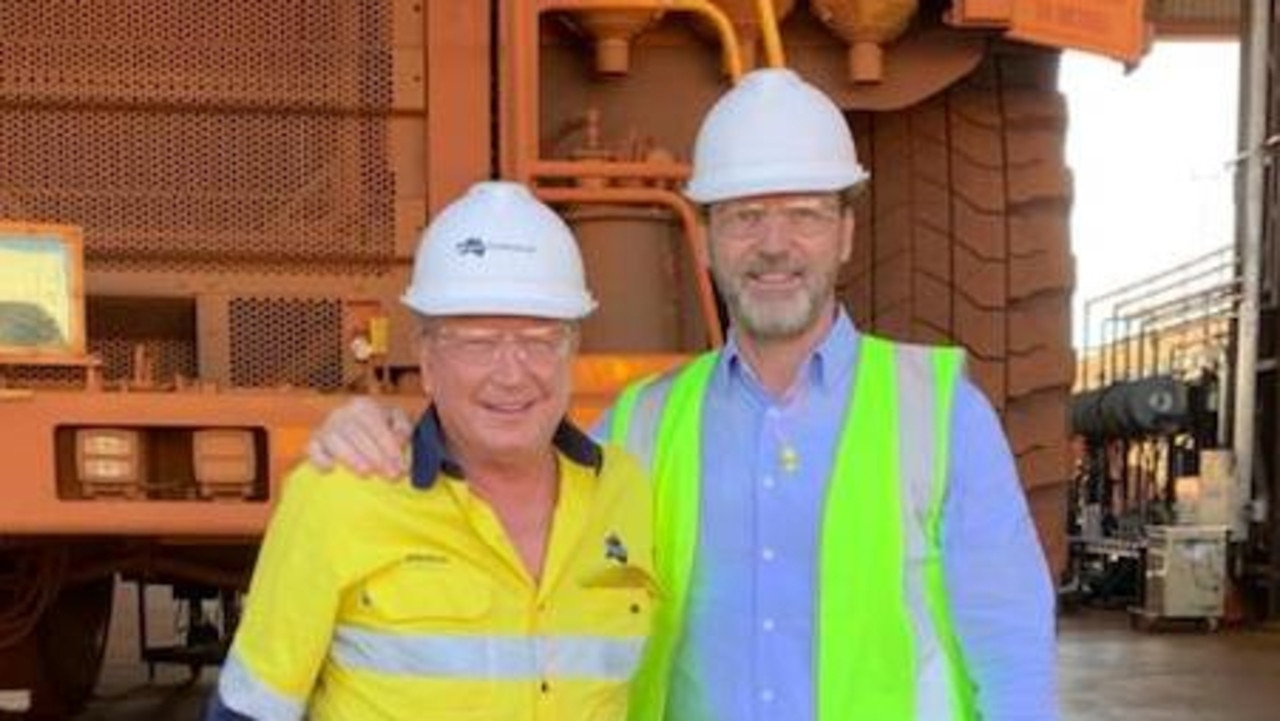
(728, 39)
(773, 54)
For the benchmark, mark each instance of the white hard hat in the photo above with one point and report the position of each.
(499, 251)
(772, 133)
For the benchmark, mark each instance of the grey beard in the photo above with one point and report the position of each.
(776, 321)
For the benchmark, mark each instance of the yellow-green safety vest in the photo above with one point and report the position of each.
(880, 567)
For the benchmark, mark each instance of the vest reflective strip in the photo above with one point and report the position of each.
(620, 423)
(927, 385)
(243, 693)
(898, 433)
(508, 658)
(642, 403)
(676, 499)
(948, 364)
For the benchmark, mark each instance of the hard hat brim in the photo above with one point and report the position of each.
(524, 302)
(773, 180)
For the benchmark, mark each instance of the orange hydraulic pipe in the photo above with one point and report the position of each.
(773, 54)
(523, 42)
(688, 217)
(522, 144)
(608, 169)
(525, 165)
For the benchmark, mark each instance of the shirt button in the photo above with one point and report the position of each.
(766, 695)
(767, 624)
(545, 687)
(768, 482)
(767, 554)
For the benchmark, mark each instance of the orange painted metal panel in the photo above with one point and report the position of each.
(1115, 28)
(30, 484)
(31, 419)
(981, 13)
(458, 95)
(597, 380)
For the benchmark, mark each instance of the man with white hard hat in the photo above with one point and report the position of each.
(510, 578)
(841, 534)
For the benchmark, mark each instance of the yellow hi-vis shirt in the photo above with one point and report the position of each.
(374, 600)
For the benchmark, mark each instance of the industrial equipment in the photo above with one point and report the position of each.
(1185, 575)
(1153, 502)
(225, 197)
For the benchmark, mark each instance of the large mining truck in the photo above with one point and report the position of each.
(209, 211)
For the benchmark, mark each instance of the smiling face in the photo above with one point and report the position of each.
(500, 384)
(775, 259)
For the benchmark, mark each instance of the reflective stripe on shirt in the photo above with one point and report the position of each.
(350, 562)
(487, 657)
(243, 693)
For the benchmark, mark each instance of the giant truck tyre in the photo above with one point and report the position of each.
(73, 639)
(963, 238)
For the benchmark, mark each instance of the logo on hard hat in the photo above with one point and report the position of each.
(478, 247)
(471, 246)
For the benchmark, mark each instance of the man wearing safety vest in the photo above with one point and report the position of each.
(840, 532)
(511, 578)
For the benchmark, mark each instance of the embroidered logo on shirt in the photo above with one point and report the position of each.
(614, 550)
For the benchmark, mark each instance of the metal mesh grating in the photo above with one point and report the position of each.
(25, 376)
(286, 341)
(332, 54)
(173, 357)
(219, 135)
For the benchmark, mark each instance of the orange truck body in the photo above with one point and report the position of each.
(250, 181)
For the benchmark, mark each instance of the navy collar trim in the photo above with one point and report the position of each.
(431, 457)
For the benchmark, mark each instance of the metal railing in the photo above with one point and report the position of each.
(1158, 324)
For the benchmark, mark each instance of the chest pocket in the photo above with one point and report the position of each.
(413, 595)
(619, 599)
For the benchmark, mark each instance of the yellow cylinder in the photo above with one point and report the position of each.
(380, 334)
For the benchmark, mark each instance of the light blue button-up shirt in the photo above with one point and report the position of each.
(748, 650)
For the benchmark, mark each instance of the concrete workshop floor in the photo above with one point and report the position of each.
(1108, 673)
(1111, 673)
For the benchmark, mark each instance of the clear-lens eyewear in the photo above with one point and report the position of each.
(481, 347)
(801, 217)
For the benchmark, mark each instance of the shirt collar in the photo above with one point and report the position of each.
(831, 358)
(431, 457)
